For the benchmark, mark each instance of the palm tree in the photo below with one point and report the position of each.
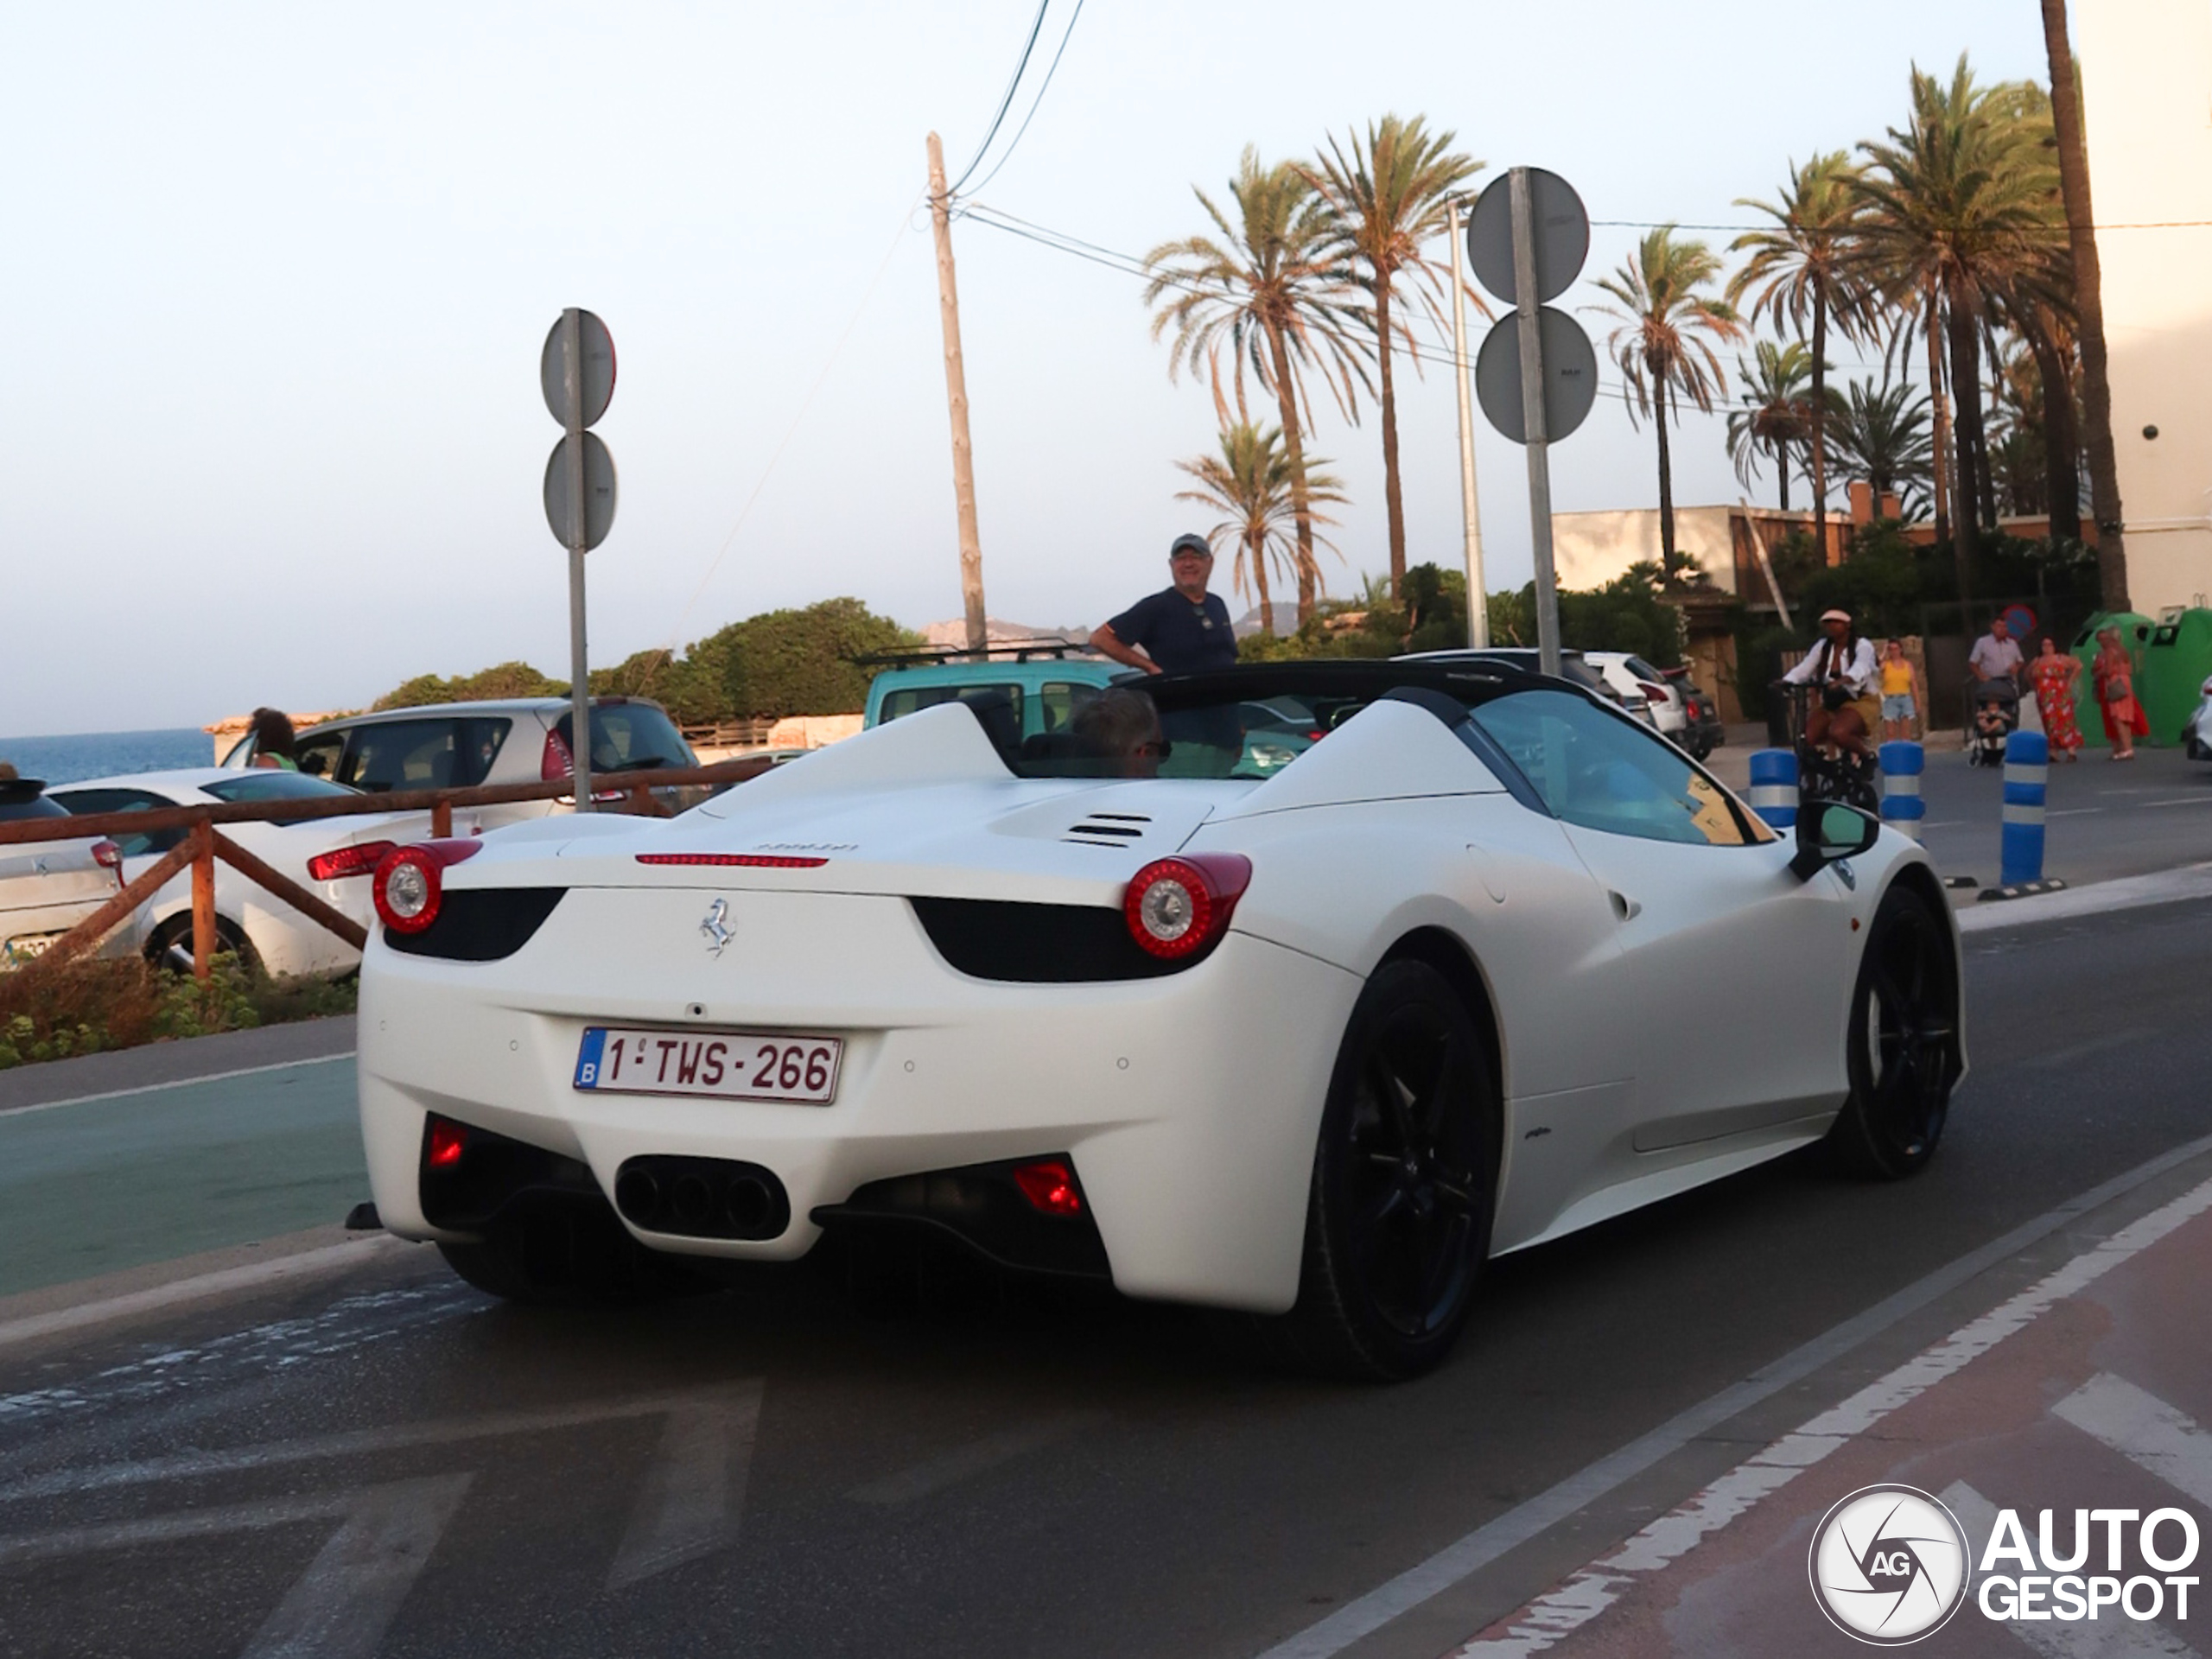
(1805, 276)
(1390, 194)
(2073, 159)
(1663, 344)
(1880, 435)
(1277, 294)
(1773, 417)
(1958, 211)
(1252, 481)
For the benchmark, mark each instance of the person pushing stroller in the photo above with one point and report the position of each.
(1994, 686)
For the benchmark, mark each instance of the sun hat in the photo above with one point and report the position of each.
(1197, 544)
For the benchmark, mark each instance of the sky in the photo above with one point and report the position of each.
(281, 275)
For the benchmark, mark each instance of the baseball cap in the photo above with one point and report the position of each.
(1197, 545)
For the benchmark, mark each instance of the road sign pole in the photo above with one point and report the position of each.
(1471, 512)
(572, 352)
(1532, 417)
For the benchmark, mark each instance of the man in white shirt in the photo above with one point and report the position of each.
(1996, 656)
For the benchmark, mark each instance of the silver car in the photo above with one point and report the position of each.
(460, 745)
(47, 887)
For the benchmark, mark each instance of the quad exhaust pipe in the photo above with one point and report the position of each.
(701, 1198)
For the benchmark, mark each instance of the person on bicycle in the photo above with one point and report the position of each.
(1841, 658)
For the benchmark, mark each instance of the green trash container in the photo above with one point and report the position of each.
(2135, 630)
(2175, 667)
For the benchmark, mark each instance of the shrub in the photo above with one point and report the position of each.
(89, 1006)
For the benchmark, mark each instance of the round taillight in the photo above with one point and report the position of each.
(409, 885)
(1176, 907)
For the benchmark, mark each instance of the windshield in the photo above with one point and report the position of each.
(272, 786)
(629, 737)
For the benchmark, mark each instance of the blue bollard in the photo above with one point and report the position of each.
(1902, 806)
(2027, 770)
(1774, 786)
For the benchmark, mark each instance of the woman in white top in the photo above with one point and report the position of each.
(1842, 657)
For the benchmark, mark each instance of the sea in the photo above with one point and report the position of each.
(107, 754)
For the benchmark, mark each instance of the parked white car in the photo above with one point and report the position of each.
(332, 858)
(2197, 736)
(460, 745)
(47, 887)
(1632, 676)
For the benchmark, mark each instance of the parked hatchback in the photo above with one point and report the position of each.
(460, 745)
(47, 887)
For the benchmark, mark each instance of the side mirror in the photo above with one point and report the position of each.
(1829, 831)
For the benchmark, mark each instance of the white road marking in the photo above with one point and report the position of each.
(176, 1082)
(2180, 800)
(2110, 1639)
(1530, 1519)
(341, 1608)
(1554, 1616)
(694, 1494)
(328, 1258)
(2145, 1430)
(2073, 811)
(964, 1462)
(366, 1442)
(169, 1529)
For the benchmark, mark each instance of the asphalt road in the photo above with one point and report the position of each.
(382, 1461)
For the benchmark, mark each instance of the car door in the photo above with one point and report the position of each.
(1731, 971)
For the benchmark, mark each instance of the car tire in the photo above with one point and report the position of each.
(171, 945)
(568, 1256)
(1901, 1044)
(1404, 1185)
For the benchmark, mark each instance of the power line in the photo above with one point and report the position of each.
(1005, 103)
(1007, 155)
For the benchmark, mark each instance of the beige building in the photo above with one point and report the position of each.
(1592, 549)
(2146, 84)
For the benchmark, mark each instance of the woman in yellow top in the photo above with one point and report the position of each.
(1901, 700)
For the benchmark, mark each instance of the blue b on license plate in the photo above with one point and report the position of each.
(779, 1065)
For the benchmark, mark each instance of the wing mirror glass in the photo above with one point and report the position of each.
(1829, 831)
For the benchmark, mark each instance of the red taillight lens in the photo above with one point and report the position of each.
(1049, 1184)
(342, 861)
(107, 856)
(1178, 907)
(735, 860)
(447, 1142)
(1653, 693)
(409, 884)
(555, 761)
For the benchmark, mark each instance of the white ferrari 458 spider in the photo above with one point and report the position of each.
(1483, 963)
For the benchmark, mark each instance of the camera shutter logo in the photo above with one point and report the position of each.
(1889, 1565)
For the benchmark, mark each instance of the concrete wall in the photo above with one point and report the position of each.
(2147, 79)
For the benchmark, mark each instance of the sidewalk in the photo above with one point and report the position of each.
(2087, 1389)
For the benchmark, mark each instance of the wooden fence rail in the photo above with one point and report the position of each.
(204, 844)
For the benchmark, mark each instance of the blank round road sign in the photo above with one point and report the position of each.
(1562, 236)
(598, 491)
(599, 369)
(1570, 374)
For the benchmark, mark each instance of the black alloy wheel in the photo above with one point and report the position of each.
(171, 946)
(1405, 1179)
(1902, 1043)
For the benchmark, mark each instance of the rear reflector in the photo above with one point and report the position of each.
(735, 860)
(447, 1143)
(1049, 1185)
(343, 862)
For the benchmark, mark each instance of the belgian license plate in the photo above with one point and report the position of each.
(779, 1065)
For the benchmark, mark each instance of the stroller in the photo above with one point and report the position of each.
(1993, 715)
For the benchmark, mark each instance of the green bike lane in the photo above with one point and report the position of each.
(93, 1186)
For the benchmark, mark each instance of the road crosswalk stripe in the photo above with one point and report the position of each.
(964, 1462)
(2144, 1429)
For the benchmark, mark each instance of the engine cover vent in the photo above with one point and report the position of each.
(1108, 830)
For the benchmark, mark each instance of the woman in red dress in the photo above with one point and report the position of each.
(2053, 675)
(2115, 673)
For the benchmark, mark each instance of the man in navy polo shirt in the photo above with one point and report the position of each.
(1183, 628)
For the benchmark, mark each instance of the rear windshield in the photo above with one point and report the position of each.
(1163, 732)
(630, 737)
(36, 807)
(82, 801)
(271, 786)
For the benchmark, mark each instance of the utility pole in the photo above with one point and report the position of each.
(1470, 511)
(956, 394)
